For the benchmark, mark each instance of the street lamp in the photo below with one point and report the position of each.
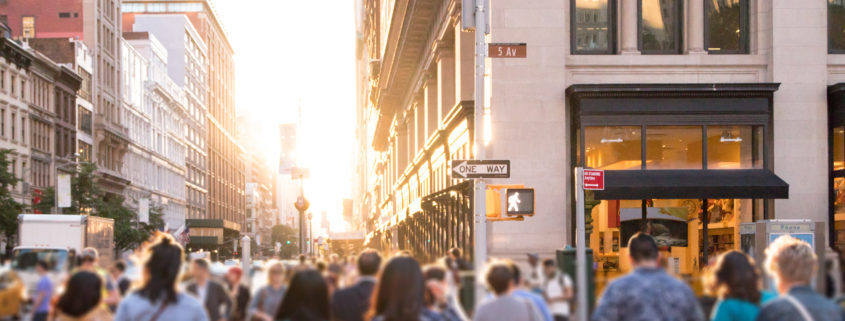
(301, 205)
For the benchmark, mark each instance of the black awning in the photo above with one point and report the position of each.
(696, 184)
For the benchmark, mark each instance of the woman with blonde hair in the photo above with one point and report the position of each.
(267, 299)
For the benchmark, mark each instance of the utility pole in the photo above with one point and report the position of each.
(479, 195)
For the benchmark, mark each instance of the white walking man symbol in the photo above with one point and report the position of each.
(513, 202)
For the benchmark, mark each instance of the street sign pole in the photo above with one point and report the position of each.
(479, 196)
(580, 246)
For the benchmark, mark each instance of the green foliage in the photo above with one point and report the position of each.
(282, 234)
(88, 198)
(9, 208)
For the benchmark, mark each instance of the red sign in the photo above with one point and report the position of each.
(594, 179)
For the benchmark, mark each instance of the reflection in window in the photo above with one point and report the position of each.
(838, 148)
(592, 21)
(839, 211)
(673, 147)
(836, 25)
(734, 147)
(613, 147)
(725, 24)
(660, 26)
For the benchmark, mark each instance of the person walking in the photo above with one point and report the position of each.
(534, 277)
(736, 284)
(267, 299)
(79, 303)
(438, 298)
(520, 291)
(557, 289)
(505, 306)
(793, 265)
(350, 303)
(43, 292)
(117, 273)
(157, 298)
(399, 293)
(307, 299)
(217, 302)
(238, 292)
(648, 292)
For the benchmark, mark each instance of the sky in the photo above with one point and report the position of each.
(287, 52)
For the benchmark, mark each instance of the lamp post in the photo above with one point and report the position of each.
(301, 205)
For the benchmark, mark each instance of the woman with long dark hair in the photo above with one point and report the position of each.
(400, 293)
(307, 298)
(735, 281)
(157, 299)
(79, 303)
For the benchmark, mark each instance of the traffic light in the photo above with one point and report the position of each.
(287, 242)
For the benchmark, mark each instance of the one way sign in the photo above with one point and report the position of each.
(481, 168)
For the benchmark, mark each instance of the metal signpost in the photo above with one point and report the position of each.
(593, 180)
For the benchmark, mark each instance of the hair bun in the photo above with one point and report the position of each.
(165, 240)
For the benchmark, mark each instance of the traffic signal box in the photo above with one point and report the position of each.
(517, 201)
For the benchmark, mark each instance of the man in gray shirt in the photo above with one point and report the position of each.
(504, 306)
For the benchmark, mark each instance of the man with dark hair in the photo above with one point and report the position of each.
(213, 295)
(43, 292)
(647, 293)
(505, 306)
(520, 291)
(350, 303)
(557, 289)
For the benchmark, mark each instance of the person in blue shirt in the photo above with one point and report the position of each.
(736, 283)
(43, 292)
(520, 291)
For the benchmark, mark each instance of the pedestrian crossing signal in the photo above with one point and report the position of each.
(519, 201)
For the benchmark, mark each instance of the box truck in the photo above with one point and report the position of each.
(51, 238)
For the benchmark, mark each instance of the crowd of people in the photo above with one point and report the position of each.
(370, 287)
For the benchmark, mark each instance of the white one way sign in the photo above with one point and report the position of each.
(481, 168)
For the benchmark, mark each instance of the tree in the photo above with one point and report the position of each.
(9, 208)
(88, 198)
(288, 237)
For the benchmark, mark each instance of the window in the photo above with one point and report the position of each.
(613, 147)
(673, 147)
(12, 125)
(84, 120)
(23, 129)
(660, 26)
(156, 7)
(64, 14)
(836, 26)
(726, 26)
(28, 27)
(593, 26)
(2, 79)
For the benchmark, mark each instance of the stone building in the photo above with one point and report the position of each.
(725, 112)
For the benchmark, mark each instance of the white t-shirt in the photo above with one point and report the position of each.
(554, 288)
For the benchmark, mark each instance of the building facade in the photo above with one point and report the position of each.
(260, 181)
(97, 25)
(155, 115)
(14, 80)
(225, 169)
(711, 92)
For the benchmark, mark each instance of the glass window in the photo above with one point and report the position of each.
(673, 147)
(156, 7)
(838, 148)
(734, 147)
(660, 26)
(613, 147)
(592, 26)
(836, 25)
(28, 27)
(726, 26)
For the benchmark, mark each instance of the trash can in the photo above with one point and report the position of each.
(566, 262)
(467, 291)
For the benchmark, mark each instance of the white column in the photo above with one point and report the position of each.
(695, 28)
(629, 27)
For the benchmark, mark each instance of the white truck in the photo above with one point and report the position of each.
(51, 238)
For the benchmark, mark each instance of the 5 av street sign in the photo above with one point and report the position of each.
(481, 168)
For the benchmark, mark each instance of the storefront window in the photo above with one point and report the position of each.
(839, 211)
(838, 149)
(660, 26)
(726, 26)
(734, 147)
(613, 147)
(673, 147)
(592, 26)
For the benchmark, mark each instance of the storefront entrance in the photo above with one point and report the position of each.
(686, 163)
